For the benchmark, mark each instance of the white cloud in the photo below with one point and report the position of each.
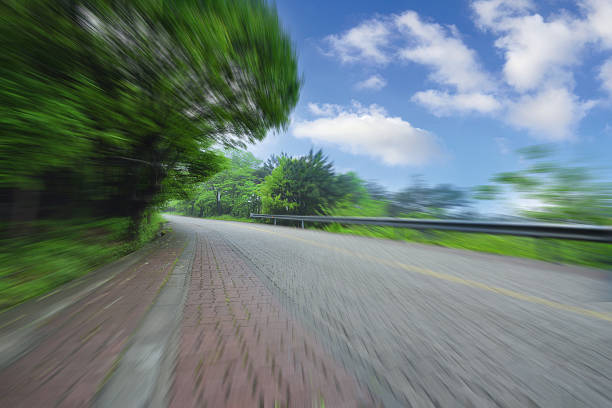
(365, 42)
(598, 19)
(443, 103)
(540, 55)
(494, 13)
(375, 82)
(605, 75)
(535, 88)
(372, 132)
(540, 51)
(537, 51)
(551, 114)
(452, 62)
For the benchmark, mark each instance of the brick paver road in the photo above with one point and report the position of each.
(240, 349)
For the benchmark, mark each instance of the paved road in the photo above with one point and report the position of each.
(235, 314)
(423, 326)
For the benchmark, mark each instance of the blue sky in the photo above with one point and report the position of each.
(450, 89)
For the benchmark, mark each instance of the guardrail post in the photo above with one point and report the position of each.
(302, 224)
(274, 221)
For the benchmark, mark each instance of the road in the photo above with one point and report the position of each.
(403, 325)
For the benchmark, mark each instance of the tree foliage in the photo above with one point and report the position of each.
(308, 185)
(425, 200)
(115, 105)
(233, 191)
(304, 185)
(564, 192)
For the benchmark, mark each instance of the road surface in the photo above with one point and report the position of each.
(372, 322)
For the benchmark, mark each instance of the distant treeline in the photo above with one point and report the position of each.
(308, 185)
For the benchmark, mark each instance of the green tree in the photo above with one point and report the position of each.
(306, 185)
(420, 198)
(565, 192)
(359, 198)
(122, 100)
(232, 191)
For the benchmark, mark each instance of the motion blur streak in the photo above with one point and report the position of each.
(124, 122)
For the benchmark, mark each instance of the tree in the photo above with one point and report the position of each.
(127, 97)
(376, 191)
(564, 192)
(420, 198)
(232, 191)
(358, 198)
(304, 185)
(350, 187)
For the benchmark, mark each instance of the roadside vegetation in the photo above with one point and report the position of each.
(110, 108)
(308, 185)
(54, 252)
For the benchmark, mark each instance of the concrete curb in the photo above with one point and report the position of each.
(142, 375)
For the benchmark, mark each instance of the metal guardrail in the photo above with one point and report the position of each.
(577, 232)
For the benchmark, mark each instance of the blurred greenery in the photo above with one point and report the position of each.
(55, 252)
(551, 250)
(562, 192)
(109, 108)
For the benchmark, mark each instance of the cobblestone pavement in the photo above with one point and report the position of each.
(73, 351)
(240, 349)
(423, 326)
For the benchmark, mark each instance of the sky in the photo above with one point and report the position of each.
(448, 90)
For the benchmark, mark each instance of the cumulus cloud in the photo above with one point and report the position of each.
(375, 82)
(550, 114)
(442, 103)
(605, 75)
(370, 131)
(539, 50)
(540, 55)
(495, 13)
(366, 42)
(598, 20)
(451, 61)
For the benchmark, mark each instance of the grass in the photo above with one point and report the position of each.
(54, 252)
(551, 250)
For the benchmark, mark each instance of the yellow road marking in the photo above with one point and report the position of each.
(450, 278)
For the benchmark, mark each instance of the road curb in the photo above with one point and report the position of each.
(142, 374)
